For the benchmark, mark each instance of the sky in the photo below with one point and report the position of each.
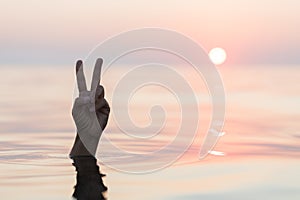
(61, 31)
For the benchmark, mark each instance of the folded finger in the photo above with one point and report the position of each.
(99, 92)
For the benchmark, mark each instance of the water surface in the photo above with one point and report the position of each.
(261, 145)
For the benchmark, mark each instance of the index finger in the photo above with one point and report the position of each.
(96, 74)
(80, 77)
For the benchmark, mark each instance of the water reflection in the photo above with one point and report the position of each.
(89, 183)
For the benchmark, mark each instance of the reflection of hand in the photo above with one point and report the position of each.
(89, 183)
(90, 112)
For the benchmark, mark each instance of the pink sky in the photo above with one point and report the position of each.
(252, 32)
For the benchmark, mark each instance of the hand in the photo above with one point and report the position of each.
(90, 112)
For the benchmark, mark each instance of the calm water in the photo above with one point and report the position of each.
(261, 145)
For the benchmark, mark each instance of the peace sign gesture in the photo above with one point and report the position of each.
(90, 111)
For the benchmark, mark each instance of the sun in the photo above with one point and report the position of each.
(217, 55)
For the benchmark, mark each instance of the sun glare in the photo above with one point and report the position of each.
(217, 55)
